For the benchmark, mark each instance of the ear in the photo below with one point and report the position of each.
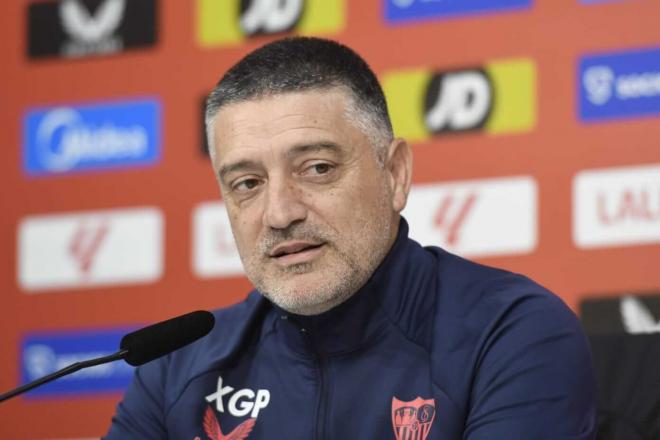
(399, 167)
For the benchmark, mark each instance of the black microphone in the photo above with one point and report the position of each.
(157, 340)
(139, 347)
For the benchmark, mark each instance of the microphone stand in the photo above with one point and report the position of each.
(63, 372)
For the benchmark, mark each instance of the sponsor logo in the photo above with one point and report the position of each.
(90, 249)
(228, 22)
(85, 244)
(214, 251)
(240, 402)
(619, 85)
(452, 213)
(616, 206)
(636, 317)
(475, 218)
(77, 28)
(59, 140)
(45, 353)
(633, 314)
(412, 420)
(406, 10)
(495, 99)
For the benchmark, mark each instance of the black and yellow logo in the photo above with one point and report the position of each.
(227, 22)
(497, 98)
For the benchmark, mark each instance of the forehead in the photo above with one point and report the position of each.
(283, 119)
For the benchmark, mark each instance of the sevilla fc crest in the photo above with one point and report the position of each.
(412, 420)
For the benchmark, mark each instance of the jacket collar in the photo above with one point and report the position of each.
(399, 291)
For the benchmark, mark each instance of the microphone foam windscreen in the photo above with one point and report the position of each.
(159, 339)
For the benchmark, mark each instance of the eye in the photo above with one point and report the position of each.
(322, 168)
(245, 185)
(319, 168)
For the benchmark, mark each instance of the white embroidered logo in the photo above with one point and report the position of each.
(241, 402)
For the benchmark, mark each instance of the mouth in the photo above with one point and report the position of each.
(296, 252)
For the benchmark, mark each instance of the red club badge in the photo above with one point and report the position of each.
(412, 420)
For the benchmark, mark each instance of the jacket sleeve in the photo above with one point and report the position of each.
(534, 376)
(141, 413)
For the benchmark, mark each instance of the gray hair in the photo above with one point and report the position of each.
(305, 63)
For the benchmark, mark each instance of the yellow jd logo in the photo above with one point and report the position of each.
(499, 97)
(227, 22)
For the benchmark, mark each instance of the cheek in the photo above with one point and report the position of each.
(329, 203)
(348, 207)
(366, 193)
(244, 228)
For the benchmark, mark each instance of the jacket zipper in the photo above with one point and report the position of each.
(323, 399)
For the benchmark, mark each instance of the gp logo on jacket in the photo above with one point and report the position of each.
(410, 420)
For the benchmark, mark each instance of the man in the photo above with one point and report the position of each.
(354, 330)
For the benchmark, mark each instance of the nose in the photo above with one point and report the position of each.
(284, 204)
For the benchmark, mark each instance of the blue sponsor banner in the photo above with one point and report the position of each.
(405, 10)
(619, 85)
(98, 136)
(45, 353)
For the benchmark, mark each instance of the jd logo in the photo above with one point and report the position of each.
(231, 22)
(269, 16)
(241, 402)
(495, 98)
(458, 101)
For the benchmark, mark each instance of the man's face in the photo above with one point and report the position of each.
(312, 211)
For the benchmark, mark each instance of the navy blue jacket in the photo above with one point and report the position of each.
(432, 347)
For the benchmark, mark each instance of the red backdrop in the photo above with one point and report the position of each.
(178, 70)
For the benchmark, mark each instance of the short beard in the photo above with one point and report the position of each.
(347, 279)
(350, 272)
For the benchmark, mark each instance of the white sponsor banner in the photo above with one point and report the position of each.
(616, 206)
(214, 250)
(476, 217)
(90, 248)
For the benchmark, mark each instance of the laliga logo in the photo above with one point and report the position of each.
(91, 32)
(599, 83)
(63, 141)
(269, 16)
(85, 244)
(458, 101)
(452, 214)
(241, 402)
(633, 205)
